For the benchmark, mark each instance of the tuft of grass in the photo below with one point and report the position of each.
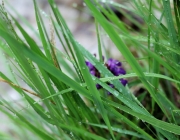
(63, 102)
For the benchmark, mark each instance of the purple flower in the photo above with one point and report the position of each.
(98, 86)
(112, 86)
(90, 66)
(112, 62)
(92, 69)
(118, 71)
(123, 81)
(114, 66)
(93, 72)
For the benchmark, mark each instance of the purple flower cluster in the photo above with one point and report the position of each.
(114, 66)
(92, 69)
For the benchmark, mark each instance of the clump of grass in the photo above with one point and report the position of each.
(71, 107)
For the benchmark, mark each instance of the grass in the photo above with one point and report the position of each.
(63, 101)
